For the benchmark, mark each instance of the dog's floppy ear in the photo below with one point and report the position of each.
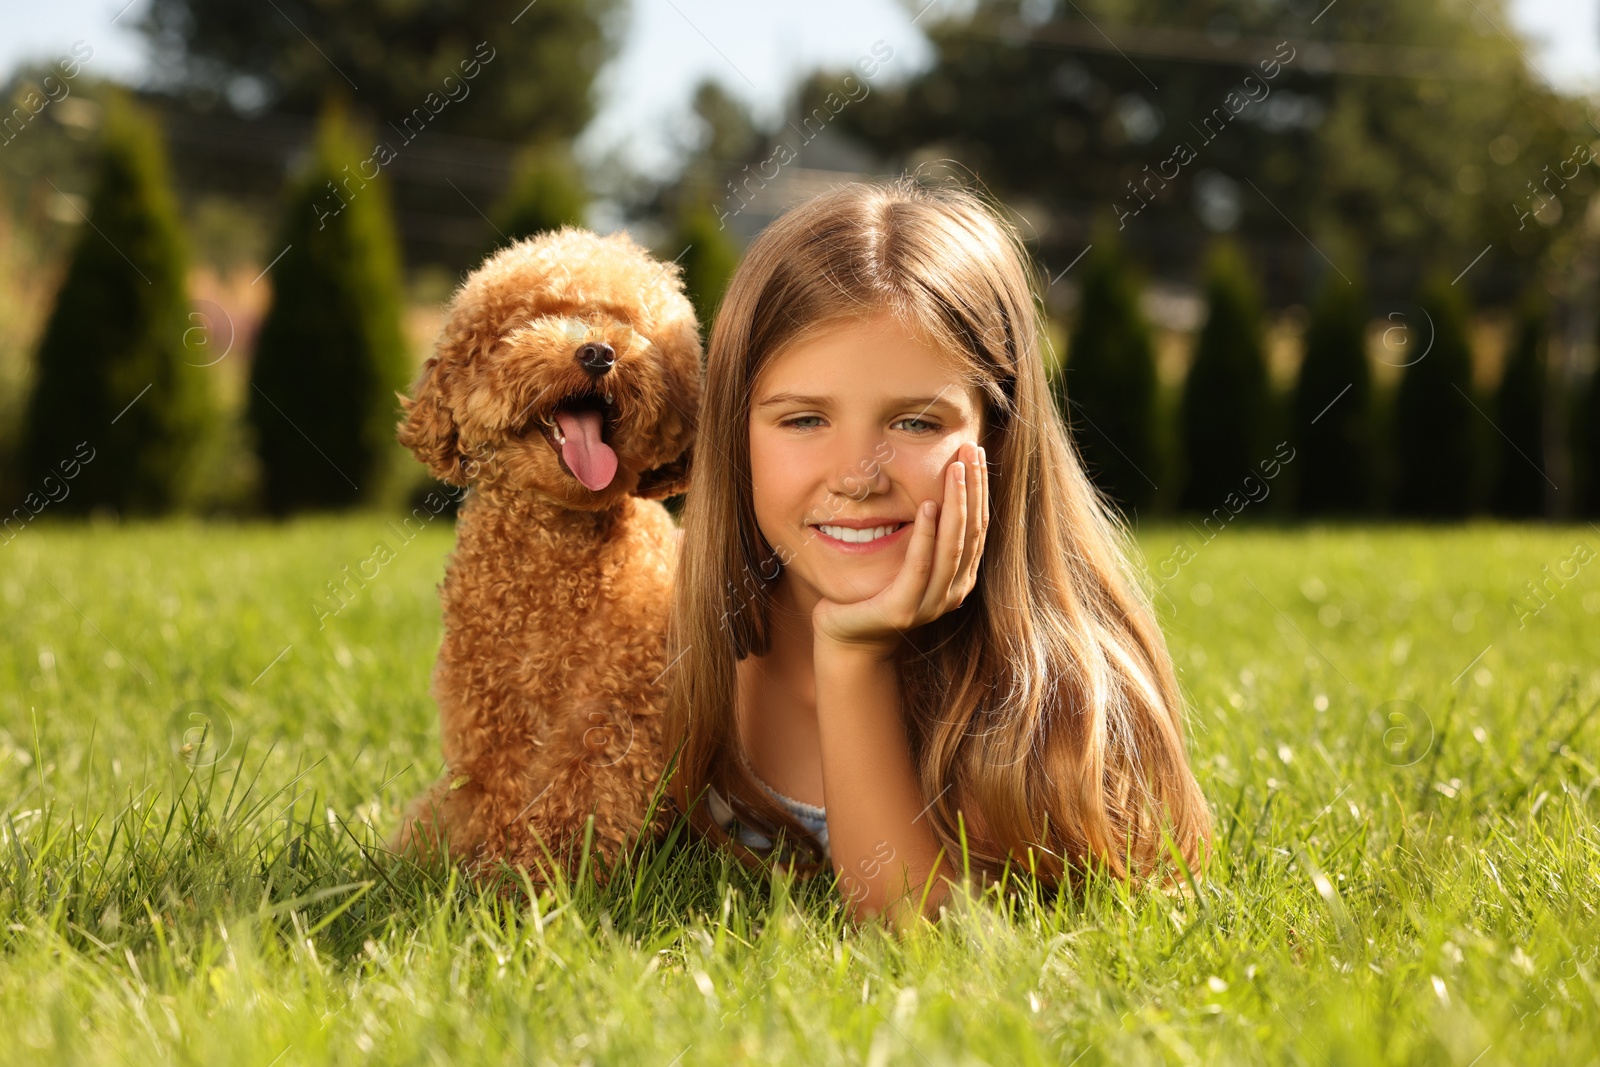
(669, 479)
(429, 428)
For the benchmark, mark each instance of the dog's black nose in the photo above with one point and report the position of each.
(597, 357)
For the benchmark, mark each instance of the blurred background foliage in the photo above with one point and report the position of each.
(331, 352)
(1289, 198)
(1113, 374)
(254, 58)
(118, 416)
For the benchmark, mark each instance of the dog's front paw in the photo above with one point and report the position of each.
(443, 823)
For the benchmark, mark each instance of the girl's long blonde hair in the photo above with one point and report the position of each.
(1045, 708)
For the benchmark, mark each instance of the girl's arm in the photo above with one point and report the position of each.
(884, 849)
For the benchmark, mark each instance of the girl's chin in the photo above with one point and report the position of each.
(853, 580)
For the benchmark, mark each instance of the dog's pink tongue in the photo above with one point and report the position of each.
(590, 458)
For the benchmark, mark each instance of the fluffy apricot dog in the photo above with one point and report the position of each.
(563, 391)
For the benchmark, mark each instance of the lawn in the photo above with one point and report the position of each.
(1401, 759)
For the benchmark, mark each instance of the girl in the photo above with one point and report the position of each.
(910, 640)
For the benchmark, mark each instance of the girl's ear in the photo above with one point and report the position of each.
(429, 428)
(669, 479)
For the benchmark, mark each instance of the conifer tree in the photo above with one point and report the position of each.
(547, 192)
(1436, 449)
(1519, 413)
(331, 353)
(1585, 438)
(1226, 403)
(115, 399)
(709, 255)
(1332, 429)
(1106, 391)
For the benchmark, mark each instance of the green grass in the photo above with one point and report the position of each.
(1409, 866)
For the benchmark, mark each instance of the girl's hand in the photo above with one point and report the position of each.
(940, 568)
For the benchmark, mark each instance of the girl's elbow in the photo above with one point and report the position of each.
(875, 908)
(861, 901)
(865, 904)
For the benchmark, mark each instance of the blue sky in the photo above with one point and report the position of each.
(754, 48)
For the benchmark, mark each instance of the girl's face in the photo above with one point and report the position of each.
(849, 433)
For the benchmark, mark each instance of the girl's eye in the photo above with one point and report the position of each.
(797, 420)
(928, 426)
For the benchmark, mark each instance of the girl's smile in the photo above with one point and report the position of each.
(867, 535)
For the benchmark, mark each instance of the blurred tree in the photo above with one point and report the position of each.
(718, 159)
(1585, 437)
(708, 253)
(1519, 407)
(1416, 124)
(547, 192)
(471, 66)
(1332, 405)
(1107, 389)
(60, 144)
(1436, 449)
(330, 355)
(728, 133)
(1226, 404)
(115, 399)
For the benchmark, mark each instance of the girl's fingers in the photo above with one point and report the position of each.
(947, 548)
(974, 488)
(969, 493)
(977, 524)
(906, 592)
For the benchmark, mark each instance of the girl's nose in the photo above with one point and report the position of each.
(860, 474)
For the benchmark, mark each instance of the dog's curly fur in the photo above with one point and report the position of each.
(556, 598)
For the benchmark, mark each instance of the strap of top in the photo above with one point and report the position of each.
(811, 816)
